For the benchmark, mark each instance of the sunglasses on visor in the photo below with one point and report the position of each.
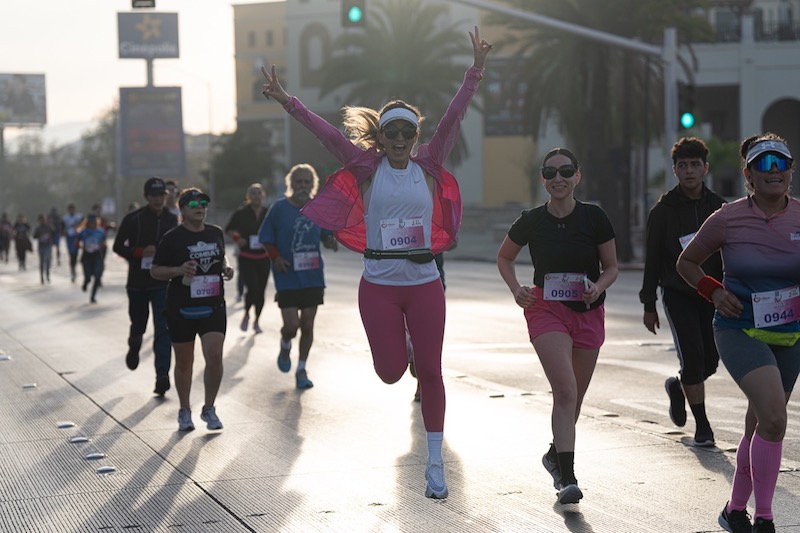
(765, 162)
(408, 132)
(194, 204)
(566, 171)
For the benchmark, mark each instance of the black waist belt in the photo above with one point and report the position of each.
(422, 255)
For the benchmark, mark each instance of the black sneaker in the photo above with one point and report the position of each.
(761, 525)
(132, 359)
(735, 521)
(553, 468)
(570, 494)
(677, 401)
(162, 385)
(704, 438)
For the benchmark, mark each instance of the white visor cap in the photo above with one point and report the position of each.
(767, 146)
(398, 113)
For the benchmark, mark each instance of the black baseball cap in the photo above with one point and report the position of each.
(154, 186)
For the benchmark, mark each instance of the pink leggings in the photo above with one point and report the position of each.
(385, 311)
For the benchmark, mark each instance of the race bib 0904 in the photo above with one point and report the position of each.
(402, 233)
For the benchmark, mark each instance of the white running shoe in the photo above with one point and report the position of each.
(434, 475)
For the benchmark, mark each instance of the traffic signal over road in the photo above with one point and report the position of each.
(686, 116)
(353, 13)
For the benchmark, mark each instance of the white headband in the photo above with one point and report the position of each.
(398, 113)
(767, 146)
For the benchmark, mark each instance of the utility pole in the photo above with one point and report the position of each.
(665, 54)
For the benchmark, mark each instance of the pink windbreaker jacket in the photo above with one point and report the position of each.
(339, 207)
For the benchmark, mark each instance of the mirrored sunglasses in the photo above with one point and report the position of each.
(408, 132)
(566, 171)
(765, 162)
(194, 204)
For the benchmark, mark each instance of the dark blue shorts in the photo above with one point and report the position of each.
(742, 354)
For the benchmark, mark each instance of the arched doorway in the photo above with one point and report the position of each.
(783, 117)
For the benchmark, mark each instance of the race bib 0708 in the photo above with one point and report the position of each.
(306, 261)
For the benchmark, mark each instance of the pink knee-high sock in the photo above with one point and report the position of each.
(742, 485)
(765, 464)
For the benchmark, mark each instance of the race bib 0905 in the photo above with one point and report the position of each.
(564, 286)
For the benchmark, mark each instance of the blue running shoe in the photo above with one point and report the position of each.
(284, 362)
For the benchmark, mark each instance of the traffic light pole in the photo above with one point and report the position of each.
(667, 54)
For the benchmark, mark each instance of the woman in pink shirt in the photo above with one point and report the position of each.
(756, 325)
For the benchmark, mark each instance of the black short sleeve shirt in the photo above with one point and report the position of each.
(566, 244)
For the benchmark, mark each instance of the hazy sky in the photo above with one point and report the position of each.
(75, 44)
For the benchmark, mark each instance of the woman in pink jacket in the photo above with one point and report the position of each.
(397, 206)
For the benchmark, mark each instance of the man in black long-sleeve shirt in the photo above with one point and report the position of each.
(138, 234)
(672, 223)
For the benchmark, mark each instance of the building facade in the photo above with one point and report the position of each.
(745, 82)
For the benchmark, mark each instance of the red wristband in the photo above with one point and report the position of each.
(707, 286)
(272, 251)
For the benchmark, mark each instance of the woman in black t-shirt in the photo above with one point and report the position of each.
(574, 259)
(192, 258)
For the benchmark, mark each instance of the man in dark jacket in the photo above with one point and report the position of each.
(672, 223)
(137, 236)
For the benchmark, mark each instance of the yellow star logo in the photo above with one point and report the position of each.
(150, 27)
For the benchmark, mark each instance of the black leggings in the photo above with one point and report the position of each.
(255, 273)
(690, 319)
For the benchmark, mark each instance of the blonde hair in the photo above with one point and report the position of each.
(361, 123)
(298, 168)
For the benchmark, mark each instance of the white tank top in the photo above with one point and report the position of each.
(398, 217)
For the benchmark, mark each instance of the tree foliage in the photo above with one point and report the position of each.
(241, 160)
(598, 93)
(406, 51)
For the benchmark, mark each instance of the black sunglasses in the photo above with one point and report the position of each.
(566, 171)
(408, 132)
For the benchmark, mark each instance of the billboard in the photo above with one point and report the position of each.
(23, 100)
(151, 132)
(148, 35)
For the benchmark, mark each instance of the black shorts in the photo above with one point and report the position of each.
(184, 329)
(300, 298)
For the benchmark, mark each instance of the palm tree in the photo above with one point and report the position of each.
(597, 91)
(402, 53)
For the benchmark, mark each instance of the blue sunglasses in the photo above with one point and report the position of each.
(765, 162)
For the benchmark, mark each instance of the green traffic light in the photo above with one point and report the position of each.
(354, 14)
(687, 120)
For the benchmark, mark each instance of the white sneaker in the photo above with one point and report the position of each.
(209, 416)
(434, 475)
(185, 420)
